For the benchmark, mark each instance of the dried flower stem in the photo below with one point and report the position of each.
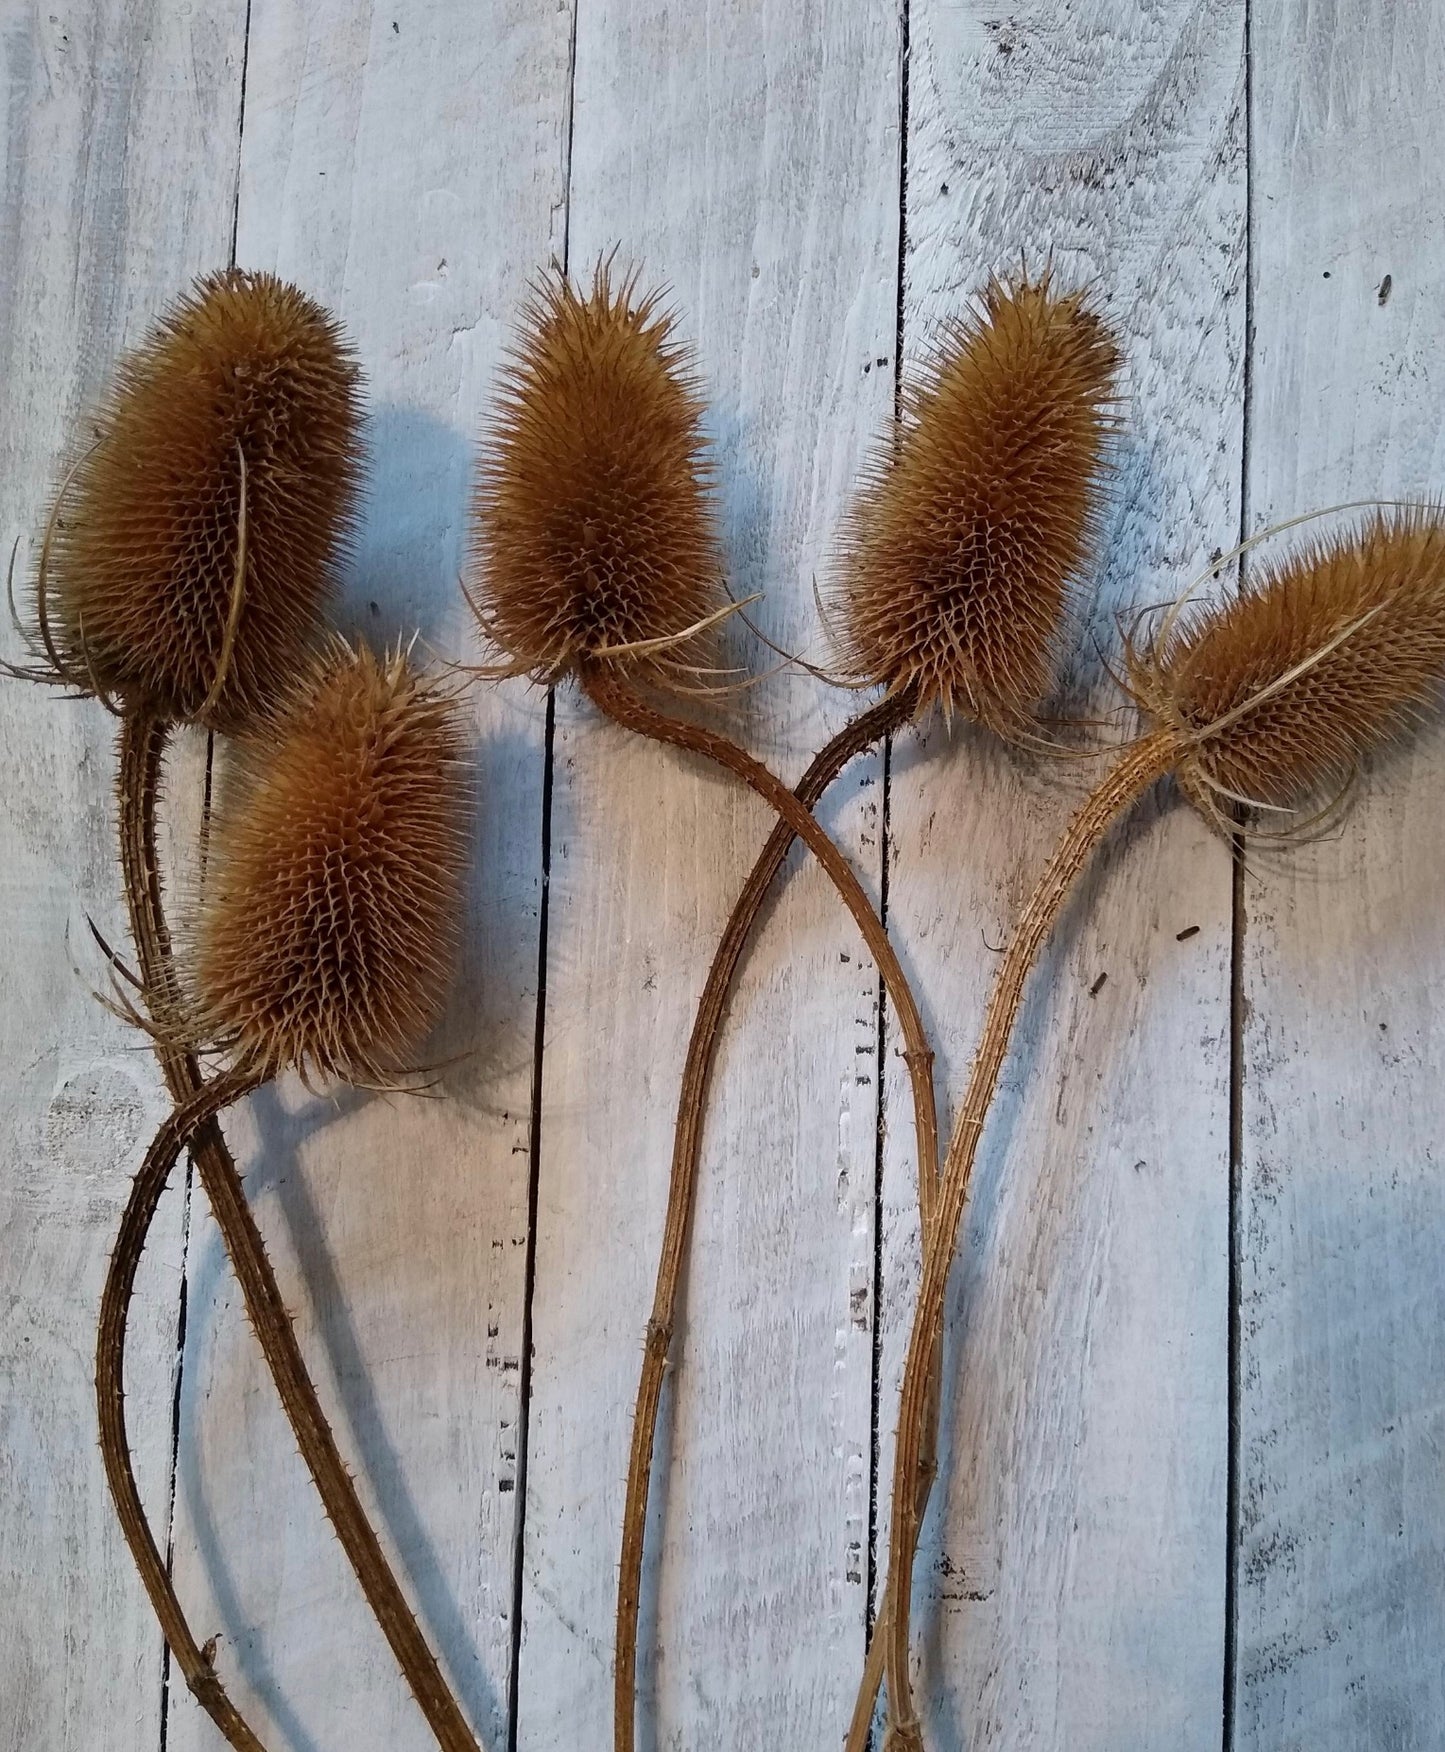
(619, 701)
(1142, 763)
(861, 733)
(184, 1122)
(143, 740)
(860, 1728)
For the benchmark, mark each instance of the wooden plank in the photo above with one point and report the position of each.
(1341, 1531)
(749, 159)
(406, 166)
(120, 156)
(1071, 1577)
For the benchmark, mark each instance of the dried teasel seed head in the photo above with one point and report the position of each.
(593, 521)
(1314, 663)
(192, 548)
(977, 515)
(333, 898)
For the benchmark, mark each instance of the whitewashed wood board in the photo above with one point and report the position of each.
(1193, 1426)
(1341, 1376)
(767, 198)
(119, 154)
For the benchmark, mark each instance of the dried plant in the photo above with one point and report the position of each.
(976, 521)
(192, 548)
(1284, 689)
(335, 883)
(595, 558)
(337, 875)
(183, 575)
(962, 555)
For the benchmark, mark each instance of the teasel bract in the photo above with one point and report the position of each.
(184, 575)
(324, 944)
(1270, 699)
(595, 557)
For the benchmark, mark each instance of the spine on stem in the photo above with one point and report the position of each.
(620, 702)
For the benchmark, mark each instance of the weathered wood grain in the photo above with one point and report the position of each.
(749, 158)
(119, 165)
(1341, 1612)
(1072, 1571)
(406, 167)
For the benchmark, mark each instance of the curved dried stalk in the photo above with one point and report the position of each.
(1141, 764)
(853, 739)
(617, 699)
(143, 741)
(182, 1125)
(1387, 583)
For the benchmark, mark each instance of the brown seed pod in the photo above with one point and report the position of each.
(193, 546)
(593, 522)
(975, 518)
(1313, 664)
(334, 898)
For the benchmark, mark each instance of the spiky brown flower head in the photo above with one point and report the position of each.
(593, 517)
(976, 517)
(194, 546)
(1314, 663)
(332, 915)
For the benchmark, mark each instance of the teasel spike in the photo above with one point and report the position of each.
(977, 518)
(1316, 661)
(593, 513)
(333, 899)
(192, 545)
(1280, 692)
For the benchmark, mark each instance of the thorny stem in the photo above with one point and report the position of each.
(1142, 763)
(622, 704)
(861, 1725)
(181, 1125)
(142, 747)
